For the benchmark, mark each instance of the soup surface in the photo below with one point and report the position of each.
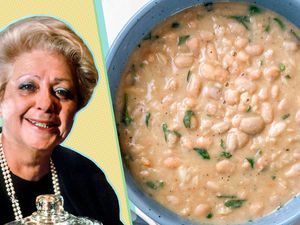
(208, 113)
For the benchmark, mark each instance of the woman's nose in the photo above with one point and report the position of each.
(46, 101)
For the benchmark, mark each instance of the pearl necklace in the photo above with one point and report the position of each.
(9, 184)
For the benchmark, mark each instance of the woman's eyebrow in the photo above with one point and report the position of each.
(29, 75)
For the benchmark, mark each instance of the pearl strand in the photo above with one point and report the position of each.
(9, 184)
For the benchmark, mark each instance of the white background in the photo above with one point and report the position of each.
(117, 13)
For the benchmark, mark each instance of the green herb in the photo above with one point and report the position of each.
(147, 118)
(225, 154)
(259, 152)
(188, 76)
(226, 196)
(253, 9)
(234, 203)
(155, 184)
(203, 152)
(273, 177)
(208, 6)
(249, 108)
(261, 62)
(126, 119)
(281, 67)
(287, 77)
(295, 35)
(182, 39)
(167, 131)
(209, 215)
(148, 36)
(187, 118)
(268, 26)
(142, 65)
(244, 20)
(285, 116)
(251, 162)
(280, 23)
(176, 133)
(222, 144)
(175, 25)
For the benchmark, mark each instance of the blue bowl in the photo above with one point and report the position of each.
(130, 36)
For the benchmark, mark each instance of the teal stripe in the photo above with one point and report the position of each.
(104, 45)
(101, 26)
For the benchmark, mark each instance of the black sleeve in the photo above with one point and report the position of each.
(84, 187)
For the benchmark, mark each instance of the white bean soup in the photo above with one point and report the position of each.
(208, 113)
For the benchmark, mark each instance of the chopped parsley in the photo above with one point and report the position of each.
(155, 184)
(279, 22)
(166, 131)
(188, 76)
(234, 203)
(253, 9)
(287, 77)
(222, 144)
(251, 162)
(285, 116)
(273, 177)
(202, 152)
(148, 115)
(268, 26)
(182, 39)
(295, 35)
(226, 154)
(187, 118)
(244, 20)
(249, 108)
(126, 119)
(209, 215)
(281, 67)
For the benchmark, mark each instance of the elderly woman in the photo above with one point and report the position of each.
(47, 75)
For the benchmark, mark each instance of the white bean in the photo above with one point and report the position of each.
(256, 208)
(262, 162)
(204, 142)
(211, 108)
(263, 94)
(282, 105)
(243, 84)
(275, 91)
(255, 74)
(206, 35)
(184, 60)
(267, 112)
(240, 42)
(211, 51)
(171, 162)
(290, 45)
(189, 102)
(202, 210)
(207, 71)
(212, 92)
(254, 50)
(252, 125)
(231, 142)
(277, 129)
(172, 199)
(231, 96)
(213, 186)
(221, 74)
(221, 127)
(242, 56)
(297, 117)
(236, 28)
(236, 120)
(172, 84)
(194, 86)
(193, 45)
(293, 171)
(225, 166)
(271, 73)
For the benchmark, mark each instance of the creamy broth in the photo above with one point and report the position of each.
(208, 113)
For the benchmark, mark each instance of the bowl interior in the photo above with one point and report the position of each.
(130, 36)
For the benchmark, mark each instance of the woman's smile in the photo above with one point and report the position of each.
(40, 101)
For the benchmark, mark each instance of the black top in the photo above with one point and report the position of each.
(83, 186)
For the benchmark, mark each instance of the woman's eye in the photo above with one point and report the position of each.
(27, 87)
(63, 93)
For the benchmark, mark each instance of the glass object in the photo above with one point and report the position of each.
(50, 211)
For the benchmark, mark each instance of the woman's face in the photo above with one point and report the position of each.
(39, 102)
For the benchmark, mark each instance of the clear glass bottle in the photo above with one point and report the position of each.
(50, 211)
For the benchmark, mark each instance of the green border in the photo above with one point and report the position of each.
(104, 46)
